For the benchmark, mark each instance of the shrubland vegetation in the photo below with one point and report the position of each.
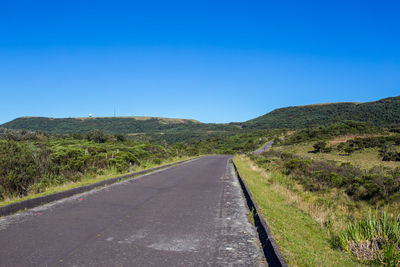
(329, 131)
(32, 162)
(376, 185)
(219, 143)
(347, 177)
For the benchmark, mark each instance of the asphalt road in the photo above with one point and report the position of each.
(192, 214)
(264, 148)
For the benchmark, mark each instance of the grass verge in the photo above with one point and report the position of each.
(84, 180)
(302, 241)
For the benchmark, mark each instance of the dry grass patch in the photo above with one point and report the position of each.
(364, 159)
(345, 138)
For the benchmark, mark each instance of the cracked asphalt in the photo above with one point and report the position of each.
(192, 214)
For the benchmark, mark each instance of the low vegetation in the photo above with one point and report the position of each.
(301, 239)
(345, 182)
(218, 143)
(32, 163)
(376, 185)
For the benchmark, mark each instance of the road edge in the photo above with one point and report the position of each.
(35, 202)
(271, 250)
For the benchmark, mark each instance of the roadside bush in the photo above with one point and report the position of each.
(68, 161)
(34, 165)
(18, 168)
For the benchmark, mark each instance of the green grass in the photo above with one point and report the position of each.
(85, 180)
(302, 241)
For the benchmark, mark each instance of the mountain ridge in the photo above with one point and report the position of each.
(137, 124)
(383, 112)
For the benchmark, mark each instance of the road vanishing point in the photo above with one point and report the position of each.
(192, 214)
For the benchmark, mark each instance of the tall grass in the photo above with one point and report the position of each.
(375, 239)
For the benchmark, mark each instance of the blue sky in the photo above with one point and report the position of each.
(215, 61)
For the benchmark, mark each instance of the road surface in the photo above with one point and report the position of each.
(192, 214)
(264, 148)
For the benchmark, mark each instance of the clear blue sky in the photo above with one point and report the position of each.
(215, 61)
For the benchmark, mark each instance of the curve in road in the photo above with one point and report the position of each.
(264, 148)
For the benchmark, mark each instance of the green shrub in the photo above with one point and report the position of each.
(297, 164)
(18, 168)
(96, 136)
(321, 147)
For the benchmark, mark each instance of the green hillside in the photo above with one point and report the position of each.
(383, 112)
(123, 125)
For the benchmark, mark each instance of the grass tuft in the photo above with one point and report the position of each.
(374, 239)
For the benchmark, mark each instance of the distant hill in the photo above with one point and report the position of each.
(383, 112)
(113, 125)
